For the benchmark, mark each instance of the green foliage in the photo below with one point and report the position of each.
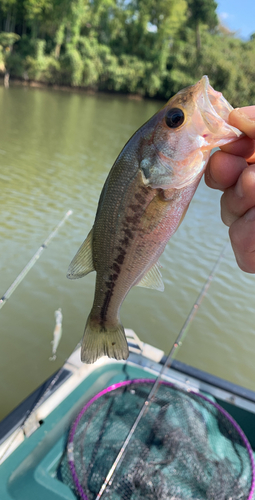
(26, 46)
(15, 65)
(72, 67)
(6, 44)
(41, 67)
(149, 47)
(202, 11)
(44, 70)
(226, 60)
(8, 39)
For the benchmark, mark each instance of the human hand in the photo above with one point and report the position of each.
(232, 170)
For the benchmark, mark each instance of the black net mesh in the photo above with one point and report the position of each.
(184, 447)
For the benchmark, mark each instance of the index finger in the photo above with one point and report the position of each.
(244, 147)
(223, 170)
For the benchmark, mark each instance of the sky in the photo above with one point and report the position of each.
(238, 15)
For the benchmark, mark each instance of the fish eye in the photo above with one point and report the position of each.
(174, 117)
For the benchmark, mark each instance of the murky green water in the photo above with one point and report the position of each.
(56, 149)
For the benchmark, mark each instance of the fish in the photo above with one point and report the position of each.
(57, 334)
(143, 201)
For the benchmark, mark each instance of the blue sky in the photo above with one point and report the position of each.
(238, 15)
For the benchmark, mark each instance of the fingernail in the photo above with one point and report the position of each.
(250, 215)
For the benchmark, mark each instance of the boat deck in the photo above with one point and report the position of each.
(30, 471)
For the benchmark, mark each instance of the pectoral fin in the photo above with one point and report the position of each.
(152, 279)
(82, 262)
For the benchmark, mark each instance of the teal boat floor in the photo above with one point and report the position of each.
(31, 471)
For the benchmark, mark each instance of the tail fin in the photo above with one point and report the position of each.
(98, 341)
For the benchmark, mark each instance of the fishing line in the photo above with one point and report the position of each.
(32, 261)
(174, 349)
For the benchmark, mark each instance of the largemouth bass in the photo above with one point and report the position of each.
(143, 201)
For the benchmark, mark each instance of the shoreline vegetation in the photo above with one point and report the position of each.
(139, 48)
(19, 82)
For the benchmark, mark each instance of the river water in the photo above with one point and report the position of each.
(56, 149)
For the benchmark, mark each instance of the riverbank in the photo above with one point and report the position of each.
(17, 82)
(126, 48)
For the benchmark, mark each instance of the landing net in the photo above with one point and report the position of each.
(185, 447)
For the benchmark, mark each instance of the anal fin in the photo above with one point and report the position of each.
(82, 262)
(152, 279)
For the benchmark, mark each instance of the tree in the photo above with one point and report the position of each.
(150, 47)
(6, 41)
(201, 12)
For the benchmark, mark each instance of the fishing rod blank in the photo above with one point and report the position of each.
(32, 261)
(178, 342)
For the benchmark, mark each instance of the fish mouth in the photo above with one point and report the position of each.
(215, 110)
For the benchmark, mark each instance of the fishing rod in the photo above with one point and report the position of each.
(32, 261)
(174, 349)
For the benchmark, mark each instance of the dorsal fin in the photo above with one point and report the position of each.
(82, 262)
(152, 279)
